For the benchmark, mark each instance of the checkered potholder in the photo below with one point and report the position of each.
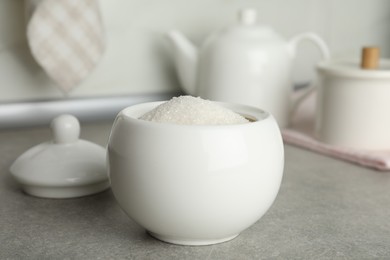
(66, 38)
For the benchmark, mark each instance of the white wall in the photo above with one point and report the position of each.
(137, 59)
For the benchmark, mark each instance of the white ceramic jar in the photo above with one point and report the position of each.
(353, 105)
(195, 184)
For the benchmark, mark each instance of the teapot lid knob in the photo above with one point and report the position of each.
(247, 16)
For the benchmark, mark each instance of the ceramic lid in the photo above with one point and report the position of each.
(351, 68)
(247, 26)
(64, 167)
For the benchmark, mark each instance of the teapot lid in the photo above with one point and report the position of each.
(66, 167)
(248, 28)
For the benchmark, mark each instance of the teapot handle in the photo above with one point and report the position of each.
(324, 50)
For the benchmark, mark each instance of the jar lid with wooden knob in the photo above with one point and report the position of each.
(369, 66)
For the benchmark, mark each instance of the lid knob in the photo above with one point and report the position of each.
(370, 58)
(65, 129)
(247, 16)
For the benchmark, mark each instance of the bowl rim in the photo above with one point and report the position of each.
(259, 116)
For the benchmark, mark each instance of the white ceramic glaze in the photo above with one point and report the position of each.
(244, 63)
(353, 105)
(66, 167)
(195, 184)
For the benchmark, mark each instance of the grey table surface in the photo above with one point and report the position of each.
(326, 209)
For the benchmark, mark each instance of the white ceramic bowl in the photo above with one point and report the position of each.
(195, 184)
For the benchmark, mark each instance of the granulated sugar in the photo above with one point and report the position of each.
(188, 110)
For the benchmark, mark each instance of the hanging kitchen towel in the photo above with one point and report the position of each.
(301, 134)
(66, 38)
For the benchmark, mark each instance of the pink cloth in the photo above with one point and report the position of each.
(301, 134)
(66, 38)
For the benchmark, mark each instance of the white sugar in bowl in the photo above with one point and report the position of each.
(195, 184)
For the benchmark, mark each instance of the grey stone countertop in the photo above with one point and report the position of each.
(326, 209)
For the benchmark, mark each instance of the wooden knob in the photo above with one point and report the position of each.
(370, 58)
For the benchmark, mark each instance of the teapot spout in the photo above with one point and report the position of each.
(185, 57)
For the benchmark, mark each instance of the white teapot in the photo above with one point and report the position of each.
(244, 63)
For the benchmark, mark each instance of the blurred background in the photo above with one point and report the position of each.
(137, 58)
